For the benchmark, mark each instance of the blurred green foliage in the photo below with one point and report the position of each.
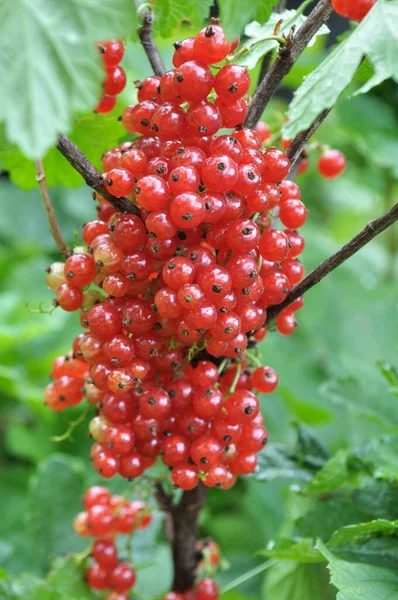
(331, 388)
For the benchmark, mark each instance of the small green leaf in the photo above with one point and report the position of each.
(289, 580)
(53, 503)
(67, 578)
(56, 68)
(309, 448)
(93, 134)
(352, 533)
(389, 371)
(380, 551)
(308, 412)
(375, 37)
(256, 32)
(264, 10)
(302, 551)
(364, 581)
(170, 14)
(276, 463)
(333, 475)
(234, 14)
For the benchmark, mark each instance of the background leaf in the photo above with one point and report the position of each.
(234, 14)
(374, 38)
(170, 14)
(56, 68)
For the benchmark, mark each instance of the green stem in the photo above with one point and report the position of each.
(246, 49)
(254, 360)
(236, 378)
(71, 428)
(222, 365)
(246, 576)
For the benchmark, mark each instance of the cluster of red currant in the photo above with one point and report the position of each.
(105, 517)
(356, 10)
(194, 272)
(112, 52)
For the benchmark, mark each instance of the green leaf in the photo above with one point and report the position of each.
(354, 580)
(380, 551)
(307, 412)
(380, 457)
(389, 371)
(375, 37)
(356, 532)
(256, 32)
(264, 10)
(276, 463)
(289, 580)
(65, 581)
(309, 449)
(170, 14)
(93, 134)
(56, 68)
(234, 14)
(67, 578)
(333, 475)
(53, 503)
(302, 551)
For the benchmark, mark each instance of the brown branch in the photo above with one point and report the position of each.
(52, 219)
(299, 142)
(372, 229)
(146, 37)
(286, 58)
(92, 176)
(182, 525)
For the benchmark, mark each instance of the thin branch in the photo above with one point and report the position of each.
(146, 37)
(52, 219)
(285, 61)
(92, 176)
(372, 229)
(299, 142)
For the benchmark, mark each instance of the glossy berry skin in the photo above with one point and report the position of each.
(274, 245)
(152, 192)
(293, 269)
(242, 235)
(340, 7)
(106, 104)
(254, 438)
(243, 464)
(203, 118)
(288, 190)
(331, 164)
(183, 179)
(68, 297)
(277, 165)
(276, 286)
(293, 213)
(248, 180)
(137, 119)
(187, 210)
(220, 173)
(178, 271)
(263, 131)
(115, 81)
(104, 320)
(358, 9)
(265, 379)
(112, 52)
(118, 182)
(210, 45)
(207, 402)
(97, 494)
(175, 450)
(168, 121)
(193, 81)
(155, 403)
(242, 407)
(202, 374)
(232, 83)
(134, 161)
(227, 145)
(100, 520)
(104, 552)
(122, 578)
(286, 323)
(148, 89)
(185, 476)
(206, 452)
(206, 589)
(232, 114)
(97, 577)
(183, 51)
(80, 270)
